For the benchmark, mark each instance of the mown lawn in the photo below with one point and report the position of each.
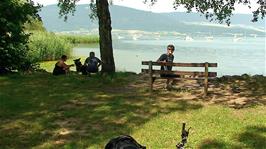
(75, 111)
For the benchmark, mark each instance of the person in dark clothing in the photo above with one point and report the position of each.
(92, 63)
(61, 67)
(168, 57)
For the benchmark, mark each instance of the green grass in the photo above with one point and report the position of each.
(80, 39)
(45, 46)
(75, 111)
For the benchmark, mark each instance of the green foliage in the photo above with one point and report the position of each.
(77, 39)
(218, 10)
(13, 40)
(67, 7)
(45, 46)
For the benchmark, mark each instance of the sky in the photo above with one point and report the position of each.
(160, 6)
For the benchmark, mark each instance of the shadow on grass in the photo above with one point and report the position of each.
(240, 91)
(254, 137)
(43, 111)
(212, 144)
(234, 91)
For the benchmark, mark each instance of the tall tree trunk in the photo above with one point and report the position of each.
(106, 48)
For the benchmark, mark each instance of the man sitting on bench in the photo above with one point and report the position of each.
(168, 57)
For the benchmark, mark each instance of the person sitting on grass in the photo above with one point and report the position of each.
(61, 67)
(168, 57)
(92, 63)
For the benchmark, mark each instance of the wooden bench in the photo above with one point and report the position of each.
(193, 75)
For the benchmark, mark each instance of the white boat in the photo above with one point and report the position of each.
(254, 35)
(236, 39)
(120, 37)
(157, 37)
(209, 38)
(136, 36)
(188, 38)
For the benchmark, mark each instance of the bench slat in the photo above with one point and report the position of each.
(201, 78)
(180, 64)
(193, 73)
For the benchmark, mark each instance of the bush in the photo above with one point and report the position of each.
(13, 39)
(45, 46)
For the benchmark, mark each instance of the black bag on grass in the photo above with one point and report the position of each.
(123, 142)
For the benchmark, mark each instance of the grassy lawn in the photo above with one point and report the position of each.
(75, 111)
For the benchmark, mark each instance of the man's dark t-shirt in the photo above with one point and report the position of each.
(92, 64)
(166, 58)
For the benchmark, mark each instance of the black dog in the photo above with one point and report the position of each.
(123, 142)
(4, 70)
(79, 67)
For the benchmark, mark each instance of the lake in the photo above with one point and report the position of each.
(234, 55)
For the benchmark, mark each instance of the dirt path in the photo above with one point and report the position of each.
(233, 91)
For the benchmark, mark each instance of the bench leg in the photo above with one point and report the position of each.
(152, 79)
(206, 79)
(205, 87)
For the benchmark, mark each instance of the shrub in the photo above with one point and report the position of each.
(13, 39)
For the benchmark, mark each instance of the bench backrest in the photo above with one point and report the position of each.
(204, 73)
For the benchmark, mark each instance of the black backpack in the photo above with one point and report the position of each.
(123, 142)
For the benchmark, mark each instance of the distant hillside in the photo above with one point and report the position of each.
(236, 19)
(131, 19)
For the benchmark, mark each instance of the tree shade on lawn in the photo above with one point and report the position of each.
(43, 111)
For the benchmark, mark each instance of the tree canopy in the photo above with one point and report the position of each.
(218, 10)
(13, 40)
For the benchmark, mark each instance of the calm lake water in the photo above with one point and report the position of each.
(235, 56)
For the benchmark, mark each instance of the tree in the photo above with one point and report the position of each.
(101, 9)
(218, 10)
(13, 40)
(105, 29)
